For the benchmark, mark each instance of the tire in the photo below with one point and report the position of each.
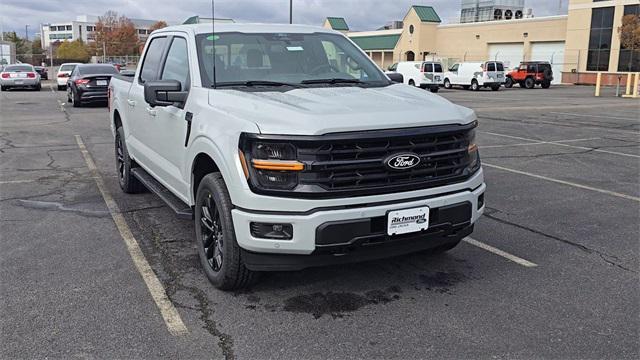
(529, 83)
(495, 87)
(221, 260)
(508, 83)
(38, 87)
(474, 85)
(128, 183)
(3, 88)
(76, 99)
(546, 84)
(447, 84)
(423, 86)
(434, 90)
(412, 83)
(466, 87)
(61, 87)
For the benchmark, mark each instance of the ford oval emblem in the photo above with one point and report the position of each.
(402, 161)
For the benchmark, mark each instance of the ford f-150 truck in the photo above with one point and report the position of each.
(290, 148)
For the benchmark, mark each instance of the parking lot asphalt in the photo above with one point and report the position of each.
(551, 271)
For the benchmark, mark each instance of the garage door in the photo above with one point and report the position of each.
(510, 54)
(552, 52)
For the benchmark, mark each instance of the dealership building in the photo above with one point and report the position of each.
(578, 44)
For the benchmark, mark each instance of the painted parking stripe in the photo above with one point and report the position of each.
(169, 313)
(536, 143)
(504, 254)
(580, 186)
(593, 116)
(562, 143)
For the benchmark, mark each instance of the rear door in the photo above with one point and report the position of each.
(438, 75)
(140, 115)
(427, 73)
(490, 73)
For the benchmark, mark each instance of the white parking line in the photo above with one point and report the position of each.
(612, 193)
(593, 116)
(169, 313)
(561, 143)
(504, 254)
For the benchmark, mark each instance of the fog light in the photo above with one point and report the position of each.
(480, 201)
(271, 231)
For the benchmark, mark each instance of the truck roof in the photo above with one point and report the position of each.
(247, 28)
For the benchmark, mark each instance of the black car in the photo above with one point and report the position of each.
(89, 83)
(44, 74)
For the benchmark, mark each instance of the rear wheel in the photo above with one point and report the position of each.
(38, 87)
(412, 83)
(128, 183)
(474, 85)
(495, 87)
(76, 99)
(434, 89)
(219, 253)
(61, 87)
(508, 83)
(546, 84)
(447, 84)
(3, 88)
(529, 83)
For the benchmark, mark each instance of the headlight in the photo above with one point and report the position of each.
(472, 151)
(270, 165)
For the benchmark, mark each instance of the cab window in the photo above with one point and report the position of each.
(152, 59)
(393, 67)
(176, 67)
(427, 68)
(491, 66)
(437, 68)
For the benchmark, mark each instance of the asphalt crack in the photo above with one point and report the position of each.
(56, 206)
(606, 257)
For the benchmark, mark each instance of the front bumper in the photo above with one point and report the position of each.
(306, 236)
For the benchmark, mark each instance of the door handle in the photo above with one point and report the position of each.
(131, 102)
(151, 111)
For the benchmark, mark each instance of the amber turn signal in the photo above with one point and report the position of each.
(278, 165)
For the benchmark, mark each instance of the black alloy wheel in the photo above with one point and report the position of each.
(211, 233)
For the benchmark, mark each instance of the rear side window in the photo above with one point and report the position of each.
(152, 59)
(531, 68)
(427, 67)
(491, 66)
(499, 67)
(437, 68)
(544, 67)
(176, 67)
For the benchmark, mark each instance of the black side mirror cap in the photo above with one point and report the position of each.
(164, 93)
(396, 77)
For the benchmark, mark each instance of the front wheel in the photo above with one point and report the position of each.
(508, 83)
(474, 85)
(218, 249)
(447, 84)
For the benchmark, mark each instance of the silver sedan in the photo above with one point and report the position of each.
(19, 76)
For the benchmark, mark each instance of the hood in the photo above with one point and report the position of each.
(317, 111)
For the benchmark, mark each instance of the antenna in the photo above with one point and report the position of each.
(213, 37)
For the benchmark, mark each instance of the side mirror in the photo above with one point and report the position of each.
(164, 93)
(396, 77)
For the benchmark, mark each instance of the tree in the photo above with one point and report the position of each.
(630, 32)
(23, 47)
(73, 50)
(116, 34)
(37, 51)
(158, 25)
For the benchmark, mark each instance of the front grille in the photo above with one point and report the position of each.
(356, 164)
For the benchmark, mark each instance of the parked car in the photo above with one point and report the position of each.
(423, 74)
(44, 73)
(89, 83)
(19, 76)
(298, 152)
(64, 71)
(475, 75)
(529, 74)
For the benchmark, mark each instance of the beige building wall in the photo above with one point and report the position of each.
(423, 39)
(471, 41)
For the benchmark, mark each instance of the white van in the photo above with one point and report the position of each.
(423, 74)
(475, 75)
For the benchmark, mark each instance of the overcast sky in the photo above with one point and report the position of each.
(360, 14)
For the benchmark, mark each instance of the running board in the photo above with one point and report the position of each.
(182, 210)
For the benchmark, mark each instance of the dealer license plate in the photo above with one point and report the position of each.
(18, 82)
(101, 82)
(407, 220)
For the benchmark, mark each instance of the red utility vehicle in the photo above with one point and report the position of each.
(529, 74)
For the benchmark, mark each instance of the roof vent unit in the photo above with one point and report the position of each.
(528, 13)
(508, 14)
(497, 14)
(519, 14)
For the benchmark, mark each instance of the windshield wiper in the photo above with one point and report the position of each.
(333, 81)
(256, 83)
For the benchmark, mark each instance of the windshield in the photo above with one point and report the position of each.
(18, 68)
(293, 59)
(67, 67)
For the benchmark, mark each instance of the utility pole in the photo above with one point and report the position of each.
(26, 32)
(104, 52)
(290, 11)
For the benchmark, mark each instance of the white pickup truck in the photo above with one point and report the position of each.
(290, 149)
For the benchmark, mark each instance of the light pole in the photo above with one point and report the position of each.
(26, 32)
(290, 11)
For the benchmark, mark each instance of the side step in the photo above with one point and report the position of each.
(182, 210)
